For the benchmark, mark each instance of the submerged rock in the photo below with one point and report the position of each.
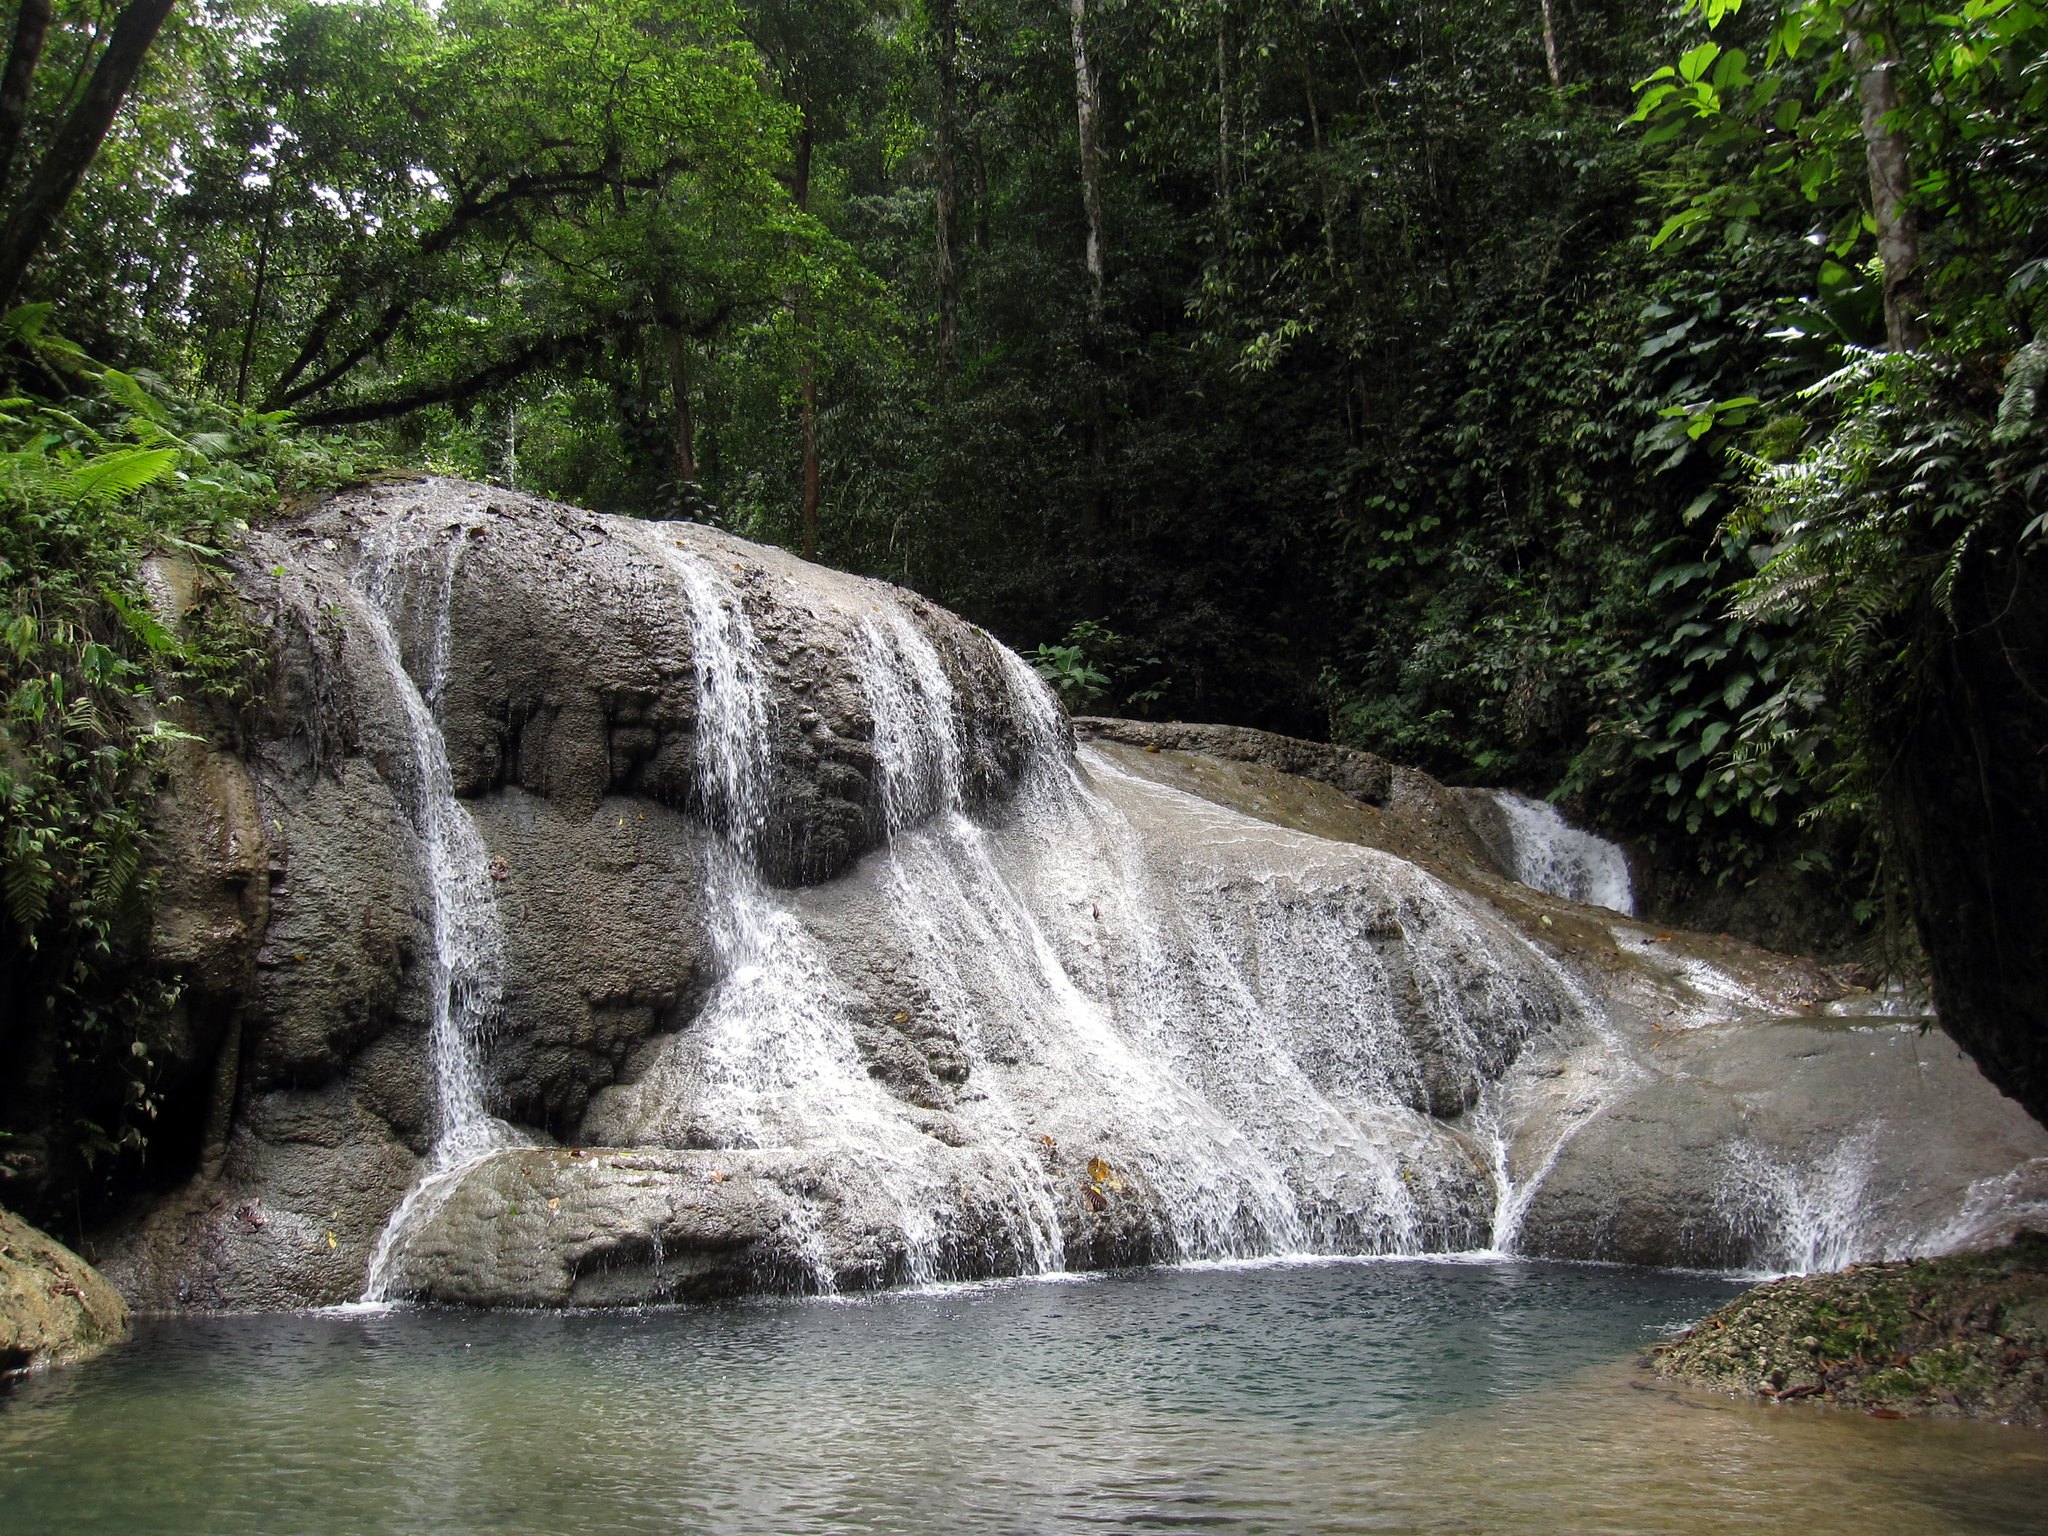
(1963, 1336)
(55, 1309)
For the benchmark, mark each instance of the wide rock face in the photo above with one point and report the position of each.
(648, 915)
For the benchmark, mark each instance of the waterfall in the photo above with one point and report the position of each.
(1550, 854)
(1165, 1031)
(1238, 1049)
(1802, 1215)
(774, 1060)
(466, 954)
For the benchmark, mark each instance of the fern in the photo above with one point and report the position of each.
(108, 477)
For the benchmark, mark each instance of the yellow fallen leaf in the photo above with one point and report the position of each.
(555, 1204)
(331, 1242)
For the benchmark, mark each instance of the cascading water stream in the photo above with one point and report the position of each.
(773, 1061)
(1552, 855)
(1249, 1057)
(1803, 1217)
(1239, 1046)
(466, 955)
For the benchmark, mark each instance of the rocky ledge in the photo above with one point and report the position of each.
(1964, 1336)
(55, 1309)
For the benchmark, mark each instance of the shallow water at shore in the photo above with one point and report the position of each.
(1375, 1396)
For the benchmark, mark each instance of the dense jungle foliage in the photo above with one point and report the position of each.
(1607, 397)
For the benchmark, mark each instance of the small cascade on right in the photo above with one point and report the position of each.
(1801, 1217)
(1549, 854)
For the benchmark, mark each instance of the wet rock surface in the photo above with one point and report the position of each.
(1360, 775)
(973, 1006)
(55, 1309)
(553, 648)
(1965, 1336)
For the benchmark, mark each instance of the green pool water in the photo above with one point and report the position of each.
(1383, 1396)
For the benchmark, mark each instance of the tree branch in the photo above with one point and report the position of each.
(33, 218)
(541, 352)
(476, 207)
(30, 28)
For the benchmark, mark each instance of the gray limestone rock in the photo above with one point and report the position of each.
(1195, 991)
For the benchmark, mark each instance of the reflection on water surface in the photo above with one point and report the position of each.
(1418, 1396)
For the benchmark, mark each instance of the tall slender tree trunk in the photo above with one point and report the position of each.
(33, 215)
(683, 438)
(1088, 107)
(1550, 54)
(984, 235)
(946, 26)
(1222, 100)
(1891, 185)
(254, 326)
(807, 367)
(31, 27)
(1315, 133)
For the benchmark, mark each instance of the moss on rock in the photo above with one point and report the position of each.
(55, 1309)
(1964, 1336)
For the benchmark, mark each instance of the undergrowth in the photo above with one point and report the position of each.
(97, 475)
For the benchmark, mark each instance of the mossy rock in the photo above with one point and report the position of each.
(55, 1309)
(1964, 1336)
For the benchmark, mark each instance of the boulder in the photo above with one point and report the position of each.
(55, 1309)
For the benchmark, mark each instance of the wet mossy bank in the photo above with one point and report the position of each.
(1964, 1336)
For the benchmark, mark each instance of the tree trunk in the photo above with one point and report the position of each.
(33, 216)
(1550, 55)
(983, 234)
(249, 331)
(683, 443)
(807, 368)
(30, 28)
(1087, 104)
(943, 133)
(1095, 505)
(1891, 185)
(807, 385)
(1222, 101)
(1315, 130)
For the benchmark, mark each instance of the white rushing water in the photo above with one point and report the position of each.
(1803, 1216)
(1225, 1038)
(467, 953)
(1552, 855)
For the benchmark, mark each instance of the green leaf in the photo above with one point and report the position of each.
(127, 391)
(1694, 61)
(123, 472)
(1679, 222)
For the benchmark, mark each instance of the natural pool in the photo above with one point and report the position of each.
(1371, 1396)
